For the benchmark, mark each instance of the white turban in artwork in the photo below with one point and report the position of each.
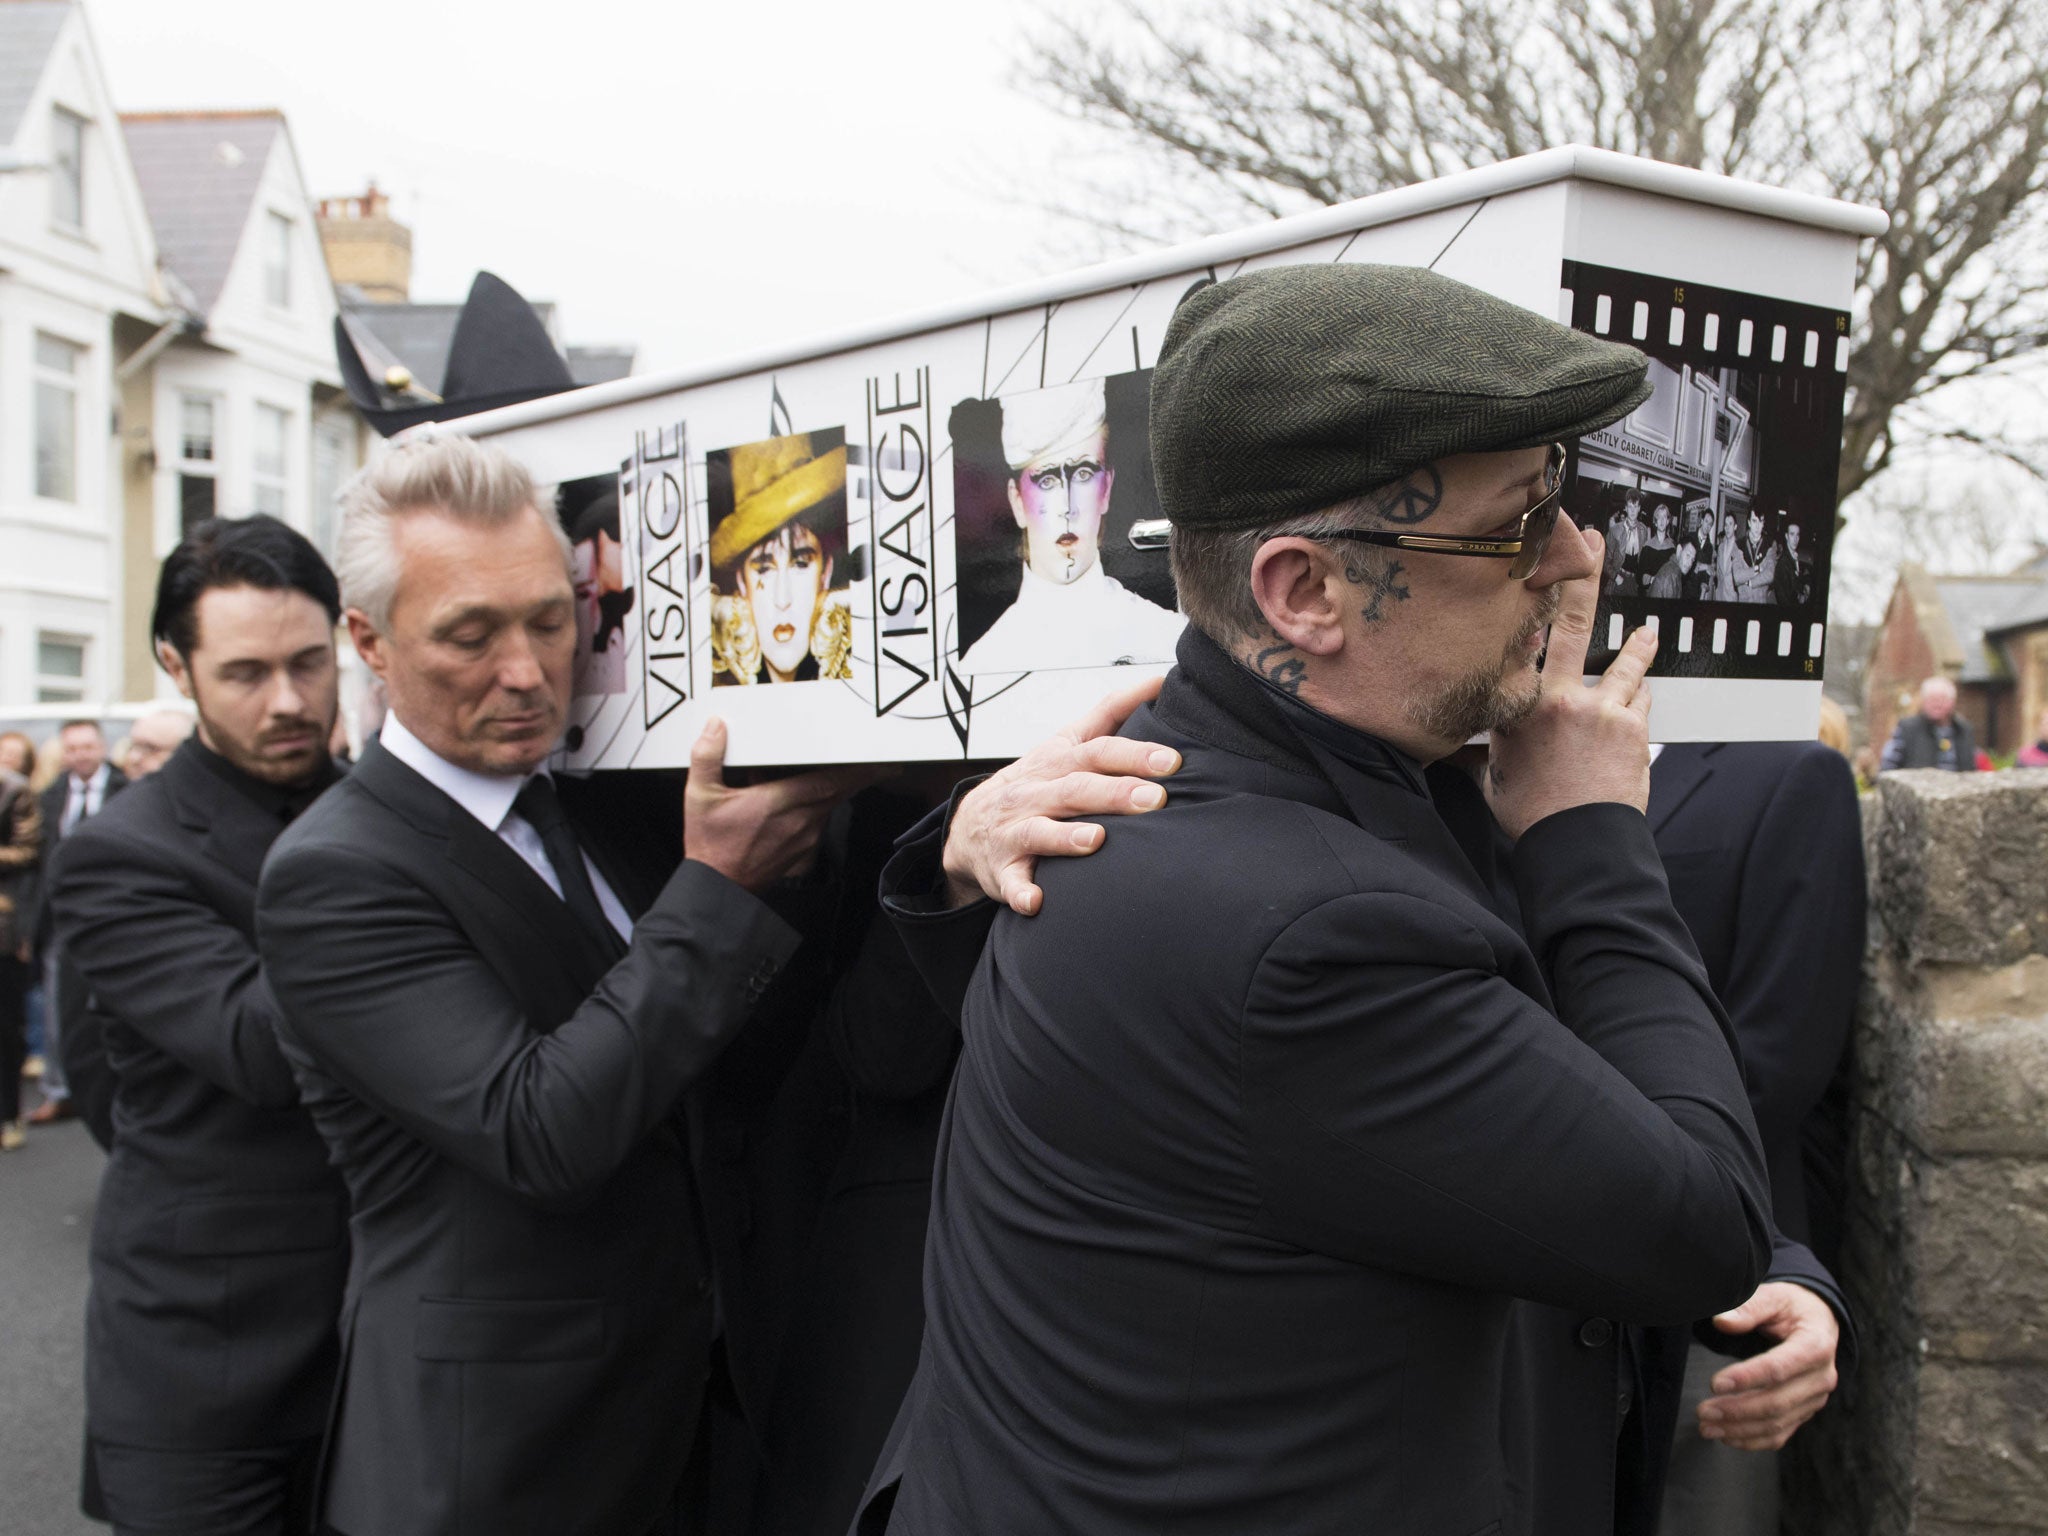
(1052, 423)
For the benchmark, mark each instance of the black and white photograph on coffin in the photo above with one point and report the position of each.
(1716, 497)
(1047, 485)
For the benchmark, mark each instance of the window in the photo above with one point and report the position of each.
(330, 468)
(195, 427)
(198, 485)
(60, 669)
(57, 370)
(67, 169)
(272, 459)
(277, 260)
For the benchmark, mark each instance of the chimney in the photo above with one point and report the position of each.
(366, 247)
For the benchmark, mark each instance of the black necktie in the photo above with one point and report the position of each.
(538, 803)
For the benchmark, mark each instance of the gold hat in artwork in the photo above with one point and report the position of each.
(774, 483)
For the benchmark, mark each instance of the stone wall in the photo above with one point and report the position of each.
(1945, 1432)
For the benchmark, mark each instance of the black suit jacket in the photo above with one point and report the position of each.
(527, 1327)
(220, 1238)
(52, 801)
(1763, 846)
(1262, 1122)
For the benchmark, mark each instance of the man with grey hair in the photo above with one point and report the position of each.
(496, 988)
(1068, 612)
(1934, 736)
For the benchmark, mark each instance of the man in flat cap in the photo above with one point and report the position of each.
(1069, 611)
(1285, 1094)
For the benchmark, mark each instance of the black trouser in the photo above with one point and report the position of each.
(13, 1023)
(262, 1491)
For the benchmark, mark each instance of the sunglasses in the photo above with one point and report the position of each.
(1524, 549)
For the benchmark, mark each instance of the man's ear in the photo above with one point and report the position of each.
(1016, 501)
(174, 667)
(1301, 593)
(368, 643)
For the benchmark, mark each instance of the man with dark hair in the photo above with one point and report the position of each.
(77, 794)
(1284, 1095)
(220, 1239)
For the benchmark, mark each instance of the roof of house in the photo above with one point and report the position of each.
(1980, 607)
(419, 335)
(199, 173)
(28, 31)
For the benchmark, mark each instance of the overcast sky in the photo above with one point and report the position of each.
(696, 178)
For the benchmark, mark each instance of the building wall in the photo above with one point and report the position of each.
(62, 573)
(1899, 662)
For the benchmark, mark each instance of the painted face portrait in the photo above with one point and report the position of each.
(1060, 503)
(778, 536)
(784, 578)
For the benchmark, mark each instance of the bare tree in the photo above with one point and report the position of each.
(1934, 110)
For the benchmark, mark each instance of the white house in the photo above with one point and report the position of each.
(166, 354)
(247, 408)
(79, 298)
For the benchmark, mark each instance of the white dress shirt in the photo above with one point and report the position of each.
(488, 797)
(84, 799)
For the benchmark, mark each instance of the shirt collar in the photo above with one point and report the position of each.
(486, 796)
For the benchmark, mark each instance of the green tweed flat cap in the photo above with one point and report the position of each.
(1287, 389)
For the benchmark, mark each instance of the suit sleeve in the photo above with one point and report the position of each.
(1412, 1109)
(1799, 923)
(1794, 1263)
(380, 986)
(944, 943)
(169, 966)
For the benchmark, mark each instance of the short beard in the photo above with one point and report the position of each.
(1485, 700)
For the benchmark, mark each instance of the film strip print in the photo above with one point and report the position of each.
(1716, 497)
(1742, 329)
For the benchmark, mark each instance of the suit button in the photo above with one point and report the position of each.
(1596, 1332)
(1622, 1404)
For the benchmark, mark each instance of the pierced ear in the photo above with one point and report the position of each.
(1301, 594)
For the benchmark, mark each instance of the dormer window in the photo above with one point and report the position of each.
(67, 169)
(277, 260)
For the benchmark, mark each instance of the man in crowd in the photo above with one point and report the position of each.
(75, 796)
(1229, 1157)
(21, 847)
(1762, 843)
(494, 994)
(153, 738)
(220, 1237)
(1935, 736)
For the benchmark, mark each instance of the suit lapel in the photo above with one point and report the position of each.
(1680, 769)
(502, 878)
(233, 830)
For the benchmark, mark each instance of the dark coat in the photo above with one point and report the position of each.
(220, 1238)
(21, 851)
(1762, 847)
(52, 801)
(528, 1322)
(1915, 743)
(1262, 1122)
(869, 1088)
